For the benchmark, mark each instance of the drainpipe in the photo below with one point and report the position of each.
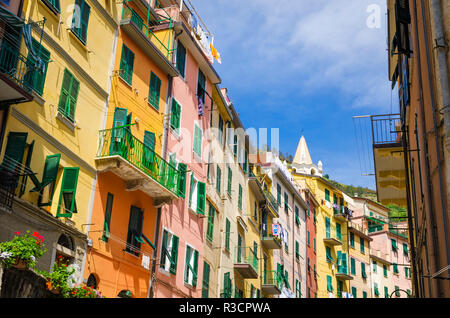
(151, 289)
(431, 84)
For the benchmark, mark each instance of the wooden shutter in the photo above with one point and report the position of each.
(15, 149)
(230, 177)
(107, 222)
(240, 197)
(182, 168)
(195, 269)
(201, 197)
(68, 191)
(164, 254)
(65, 92)
(149, 139)
(227, 234)
(73, 96)
(181, 58)
(126, 64)
(175, 115)
(205, 287)
(84, 21)
(218, 179)
(210, 228)
(154, 92)
(327, 227)
(50, 169)
(174, 255)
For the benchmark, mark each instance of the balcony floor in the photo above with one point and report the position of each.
(246, 270)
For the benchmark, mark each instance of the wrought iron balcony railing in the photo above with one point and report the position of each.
(119, 141)
(246, 255)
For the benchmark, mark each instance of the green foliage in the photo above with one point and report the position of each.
(396, 213)
(84, 291)
(26, 248)
(351, 190)
(60, 277)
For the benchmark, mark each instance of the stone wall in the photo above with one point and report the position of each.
(16, 283)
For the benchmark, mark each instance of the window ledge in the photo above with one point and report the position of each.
(49, 8)
(83, 46)
(71, 125)
(175, 133)
(152, 106)
(38, 98)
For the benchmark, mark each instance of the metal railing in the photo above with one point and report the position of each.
(273, 278)
(120, 141)
(130, 14)
(18, 67)
(386, 129)
(271, 200)
(246, 255)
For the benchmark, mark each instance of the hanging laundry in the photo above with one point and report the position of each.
(145, 261)
(200, 106)
(215, 54)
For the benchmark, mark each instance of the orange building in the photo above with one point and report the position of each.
(133, 181)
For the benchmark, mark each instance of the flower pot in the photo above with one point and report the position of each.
(52, 289)
(20, 264)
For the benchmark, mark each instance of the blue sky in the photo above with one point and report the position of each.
(304, 65)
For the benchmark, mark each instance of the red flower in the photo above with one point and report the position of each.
(17, 233)
(35, 234)
(59, 256)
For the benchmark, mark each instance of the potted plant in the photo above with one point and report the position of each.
(83, 291)
(22, 251)
(60, 278)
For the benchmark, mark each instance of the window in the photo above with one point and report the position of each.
(69, 96)
(154, 90)
(227, 290)
(67, 204)
(175, 116)
(227, 234)
(394, 245)
(327, 227)
(352, 266)
(328, 254)
(255, 211)
(385, 271)
(210, 228)
(240, 198)
(197, 196)
(375, 289)
(298, 289)
(364, 294)
(352, 239)
(405, 249)
(107, 222)
(297, 251)
(182, 168)
(307, 238)
(397, 291)
(149, 140)
(286, 203)
(395, 268)
(308, 208)
(205, 287)
(297, 218)
(327, 195)
(361, 243)
(218, 179)
(386, 292)
(181, 59)
(80, 20)
(135, 224)
(198, 135)
(354, 292)
(314, 242)
(201, 86)
(363, 270)
(220, 136)
(407, 273)
(53, 5)
(36, 79)
(169, 252)
(278, 194)
(374, 264)
(230, 177)
(329, 284)
(191, 266)
(338, 232)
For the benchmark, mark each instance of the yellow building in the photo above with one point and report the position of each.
(50, 141)
(332, 229)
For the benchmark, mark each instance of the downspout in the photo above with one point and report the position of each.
(441, 48)
(151, 289)
(427, 166)
(431, 84)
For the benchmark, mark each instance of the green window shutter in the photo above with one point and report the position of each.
(205, 287)
(149, 139)
(297, 250)
(182, 168)
(80, 20)
(352, 239)
(327, 195)
(385, 271)
(230, 177)
(126, 64)
(195, 269)
(338, 258)
(397, 291)
(191, 189)
(405, 249)
(174, 254)
(181, 59)
(374, 264)
(329, 283)
(218, 179)
(240, 198)
(327, 227)
(154, 90)
(164, 249)
(375, 287)
(50, 170)
(69, 95)
(338, 231)
(201, 198)
(352, 266)
(15, 149)
(361, 244)
(210, 227)
(278, 194)
(107, 222)
(364, 294)
(135, 230)
(201, 85)
(175, 115)
(187, 264)
(354, 292)
(198, 140)
(227, 234)
(395, 268)
(386, 292)
(307, 238)
(37, 79)
(394, 245)
(67, 204)
(363, 270)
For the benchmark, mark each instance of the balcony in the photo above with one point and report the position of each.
(141, 33)
(246, 262)
(342, 273)
(271, 203)
(389, 161)
(16, 70)
(339, 215)
(272, 283)
(332, 239)
(271, 242)
(264, 197)
(142, 169)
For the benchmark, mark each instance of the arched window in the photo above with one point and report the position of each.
(66, 241)
(92, 281)
(125, 294)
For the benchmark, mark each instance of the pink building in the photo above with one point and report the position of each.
(181, 225)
